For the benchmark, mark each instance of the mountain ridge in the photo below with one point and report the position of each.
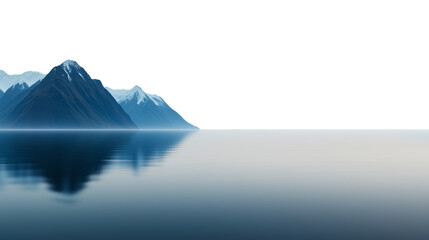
(69, 98)
(149, 111)
(12, 97)
(28, 77)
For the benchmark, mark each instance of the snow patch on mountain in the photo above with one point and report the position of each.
(136, 92)
(19, 85)
(69, 66)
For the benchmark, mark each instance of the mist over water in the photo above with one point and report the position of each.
(214, 184)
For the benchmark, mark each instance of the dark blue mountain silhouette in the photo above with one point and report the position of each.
(12, 97)
(149, 111)
(68, 98)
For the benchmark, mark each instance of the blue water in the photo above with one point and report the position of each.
(214, 185)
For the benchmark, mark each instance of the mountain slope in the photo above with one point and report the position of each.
(6, 80)
(68, 98)
(149, 111)
(12, 97)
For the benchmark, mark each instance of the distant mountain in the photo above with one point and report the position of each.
(1, 93)
(149, 111)
(6, 80)
(12, 97)
(68, 98)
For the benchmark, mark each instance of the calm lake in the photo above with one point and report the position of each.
(210, 184)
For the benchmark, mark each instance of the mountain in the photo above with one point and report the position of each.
(12, 97)
(69, 98)
(149, 111)
(6, 80)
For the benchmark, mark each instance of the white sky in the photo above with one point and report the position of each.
(240, 64)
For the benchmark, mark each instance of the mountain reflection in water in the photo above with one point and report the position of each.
(67, 160)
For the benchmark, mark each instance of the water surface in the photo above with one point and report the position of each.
(214, 185)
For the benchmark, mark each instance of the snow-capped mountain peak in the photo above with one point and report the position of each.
(70, 65)
(149, 111)
(137, 93)
(20, 85)
(57, 102)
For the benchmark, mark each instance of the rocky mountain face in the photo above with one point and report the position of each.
(68, 98)
(149, 111)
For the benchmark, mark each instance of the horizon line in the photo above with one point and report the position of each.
(208, 129)
(90, 129)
